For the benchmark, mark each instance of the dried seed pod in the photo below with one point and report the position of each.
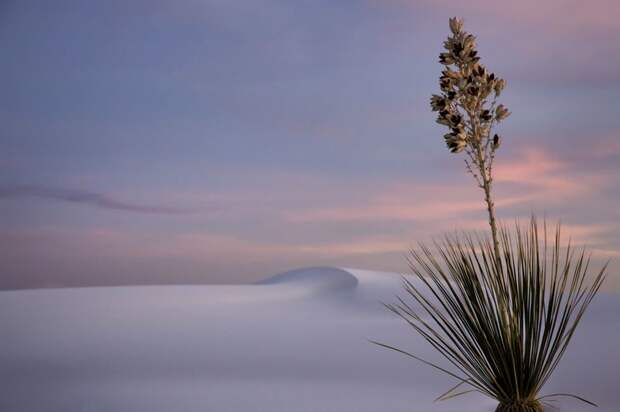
(501, 113)
(497, 140)
(456, 25)
(499, 86)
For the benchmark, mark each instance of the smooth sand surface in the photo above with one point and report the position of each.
(295, 342)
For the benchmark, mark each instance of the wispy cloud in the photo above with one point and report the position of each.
(543, 175)
(534, 169)
(99, 200)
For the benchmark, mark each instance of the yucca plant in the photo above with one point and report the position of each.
(506, 325)
(501, 309)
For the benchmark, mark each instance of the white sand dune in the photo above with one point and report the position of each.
(295, 342)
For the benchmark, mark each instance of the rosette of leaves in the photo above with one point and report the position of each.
(502, 328)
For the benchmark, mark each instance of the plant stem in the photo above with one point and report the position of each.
(485, 175)
(486, 179)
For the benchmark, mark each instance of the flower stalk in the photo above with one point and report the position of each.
(468, 106)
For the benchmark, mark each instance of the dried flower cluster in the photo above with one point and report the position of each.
(465, 104)
(468, 106)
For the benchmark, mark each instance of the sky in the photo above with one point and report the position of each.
(192, 141)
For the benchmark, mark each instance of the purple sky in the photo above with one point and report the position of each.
(220, 141)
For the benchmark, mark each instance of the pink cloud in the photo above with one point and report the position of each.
(607, 145)
(536, 174)
(364, 246)
(542, 174)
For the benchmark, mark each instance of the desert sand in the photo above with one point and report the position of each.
(295, 342)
